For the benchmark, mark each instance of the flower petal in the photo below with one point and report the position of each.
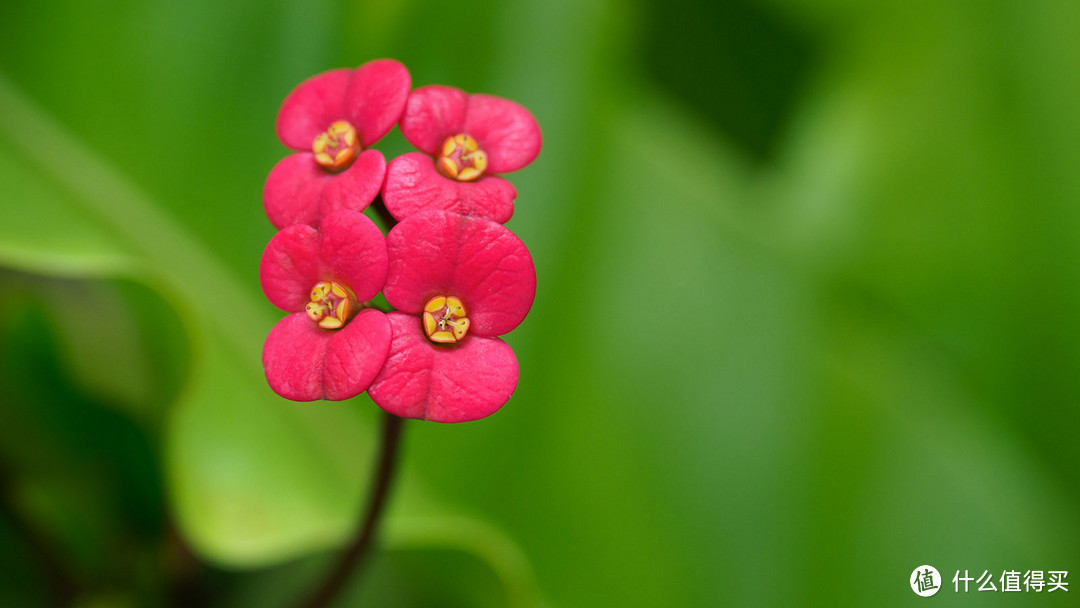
(310, 108)
(352, 251)
(299, 191)
(290, 267)
(305, 363)
(376, 98)
(413, 185)
(433, 113)
(467, 381)
(480, 261)
(293, 189)
(355, 187)
(505, 130)
(348, 248)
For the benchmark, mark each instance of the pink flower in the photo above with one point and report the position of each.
(330, 347)
(467, 139)
(458, 282)
(331, 118)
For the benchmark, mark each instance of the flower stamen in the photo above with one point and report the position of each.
(444, 320)
(331, 305)
(461, 158)
(337, 147)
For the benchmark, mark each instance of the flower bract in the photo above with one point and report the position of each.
(465, 141)
(330, 346)
(458, 282)
(331, 119)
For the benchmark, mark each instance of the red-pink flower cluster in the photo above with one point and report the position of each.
(457, 279)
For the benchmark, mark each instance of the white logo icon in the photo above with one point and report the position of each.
(925, 581)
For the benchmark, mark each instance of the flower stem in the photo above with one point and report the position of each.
(355, 556)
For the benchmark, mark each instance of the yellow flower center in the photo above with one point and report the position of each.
(331, 304)
(444, 320)
(337, 147)
(461, 158)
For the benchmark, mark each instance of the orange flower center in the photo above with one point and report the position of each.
(331, 304)
(444, 320)
(337, 147)
(461, 158)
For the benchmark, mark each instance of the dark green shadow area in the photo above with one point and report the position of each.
(735, 63)
(86, 372)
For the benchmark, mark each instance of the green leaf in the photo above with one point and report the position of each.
(439, 560)
(254, 478)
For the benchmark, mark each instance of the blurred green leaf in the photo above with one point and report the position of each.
(43, 230)
(254, 478)
(910, 459)
(78, 478)
(440, 560)
(492, 547)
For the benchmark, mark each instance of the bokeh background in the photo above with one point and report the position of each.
(808, 314)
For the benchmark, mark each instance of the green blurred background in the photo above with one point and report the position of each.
(808, 312)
